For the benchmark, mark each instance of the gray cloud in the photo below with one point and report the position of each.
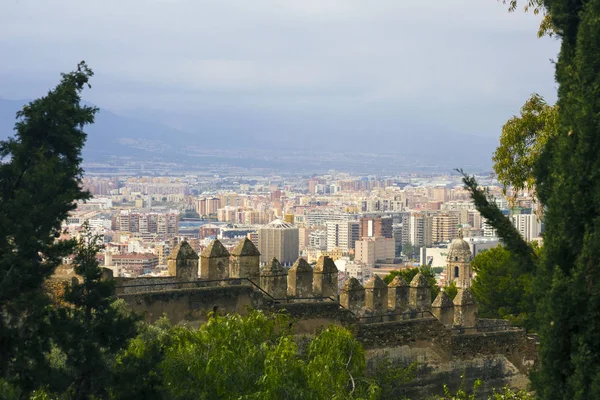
(468, 64)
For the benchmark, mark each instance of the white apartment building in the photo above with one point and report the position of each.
(528, 225)
(317, 239)
(419, 230)
(342, 235)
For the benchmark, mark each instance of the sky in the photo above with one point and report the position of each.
(463, 64)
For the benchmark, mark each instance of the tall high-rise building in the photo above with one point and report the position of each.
(444, 227)
(419, 229)
(528, 225)
(278, 239)
(371, 250)
(207, 206)
(488, 230)
(376, 227)
(342, 235)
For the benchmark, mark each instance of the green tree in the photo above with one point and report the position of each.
(521, 143)
(93, 327)
(451, 290)
(409, 250)
(568, 278)
(505, 393)
(409, 273)
(511, 238)
(336, 367)
(251, 357)
(144, 353)
(40, 176)
(501, 288)
(537, 6)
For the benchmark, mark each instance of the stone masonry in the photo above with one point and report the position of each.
(325, 279)
(245, 261)
(214, 261)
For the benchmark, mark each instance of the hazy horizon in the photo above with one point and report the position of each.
(467, 65)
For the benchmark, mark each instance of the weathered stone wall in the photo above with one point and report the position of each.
(513, 344)
(149, 284)
(245, 267)
(399, 333)
(491, 351)
(193, 304)
(434, 370)
(309, 316)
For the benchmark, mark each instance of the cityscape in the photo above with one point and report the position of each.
(366, 224)
(300, 199)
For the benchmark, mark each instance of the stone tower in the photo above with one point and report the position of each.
(465, 309)
(300, 279)
(325, 278)
(183, 262)
(443, 309)
(273, 279)
(458, 263)
(214, 261)
(245, 261)
(420, 293)
(398, 294)
(376, 294)
(352, 295)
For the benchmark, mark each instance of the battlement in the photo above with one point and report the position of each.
(375, 302)
(397, 321)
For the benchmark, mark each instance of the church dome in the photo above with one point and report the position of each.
(459, 250)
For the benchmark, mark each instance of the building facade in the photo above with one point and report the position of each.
(278, 240)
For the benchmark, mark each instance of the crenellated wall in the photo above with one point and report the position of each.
(396, 321)
(193, 304)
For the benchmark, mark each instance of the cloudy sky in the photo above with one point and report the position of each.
(467, 64)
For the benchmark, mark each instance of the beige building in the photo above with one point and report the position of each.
(371, 250)
(278, 240)
(444, 227)
(419, 229)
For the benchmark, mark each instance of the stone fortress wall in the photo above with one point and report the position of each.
(396, 321)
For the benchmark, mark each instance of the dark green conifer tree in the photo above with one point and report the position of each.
(568, 181)
(40, 176)
(567, 178)
(92, 327)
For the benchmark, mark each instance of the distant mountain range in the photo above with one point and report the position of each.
(249, 138)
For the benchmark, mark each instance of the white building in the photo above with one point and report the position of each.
(437, 256)
(354, 269)
(278, 239)
(342, 235)
(528, 225)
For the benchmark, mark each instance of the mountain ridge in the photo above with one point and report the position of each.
(222, 136)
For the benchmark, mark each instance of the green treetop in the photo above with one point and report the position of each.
(40, 179)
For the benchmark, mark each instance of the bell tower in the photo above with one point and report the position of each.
(458, 263)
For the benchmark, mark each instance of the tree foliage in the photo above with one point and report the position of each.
(511, 238)
(409, 273)
(537, 7)
(506, 393)
(568, 279)
(92, 327)
(522, 141)
(451, 290)
(40, 177)
(501, 288)
(252, 357)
